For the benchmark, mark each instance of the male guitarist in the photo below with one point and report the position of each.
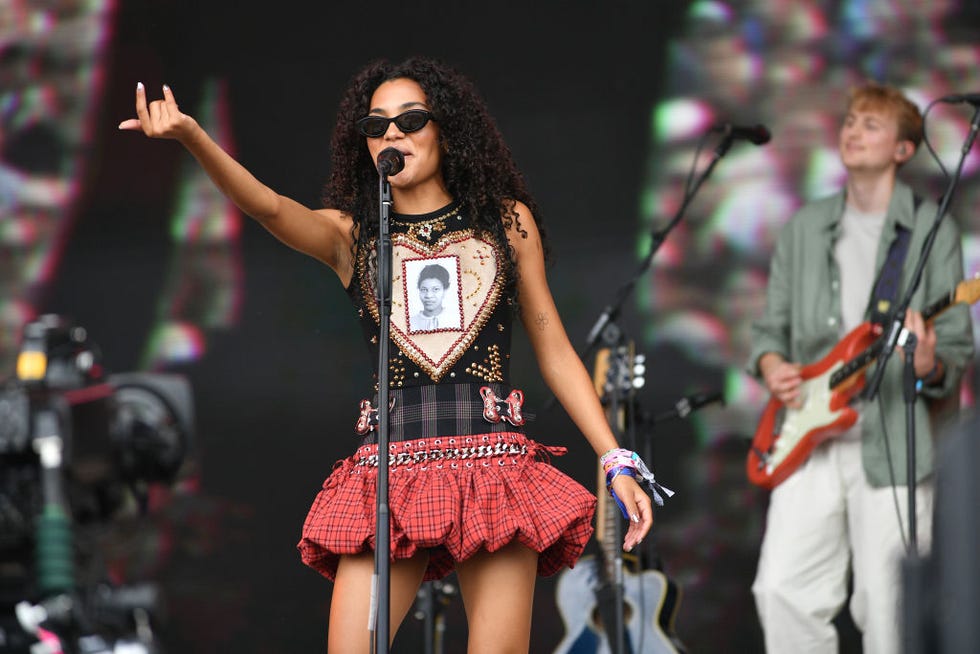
(837, 512)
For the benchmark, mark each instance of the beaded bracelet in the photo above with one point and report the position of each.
(620, 461)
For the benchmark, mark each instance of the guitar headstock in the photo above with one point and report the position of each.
(619, 372)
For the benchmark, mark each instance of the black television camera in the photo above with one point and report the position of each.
(76, 445)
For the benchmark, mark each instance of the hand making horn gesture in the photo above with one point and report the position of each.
(161, 118)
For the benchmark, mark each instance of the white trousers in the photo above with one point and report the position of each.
(823, 521)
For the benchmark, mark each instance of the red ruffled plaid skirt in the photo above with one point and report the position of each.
(452, 496)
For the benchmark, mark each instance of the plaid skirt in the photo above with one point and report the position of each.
(452, 496)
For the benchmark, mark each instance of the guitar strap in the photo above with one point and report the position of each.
(886, 287)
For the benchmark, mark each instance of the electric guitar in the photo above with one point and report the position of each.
(584, 592)
(786, 436)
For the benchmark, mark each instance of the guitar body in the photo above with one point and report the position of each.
(781, 446)
(650, 605)
(786, 436)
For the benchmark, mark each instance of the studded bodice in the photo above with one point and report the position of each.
(450, 317)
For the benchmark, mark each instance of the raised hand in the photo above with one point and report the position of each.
(160, 119)
(324, 234)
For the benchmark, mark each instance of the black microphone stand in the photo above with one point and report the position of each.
(898, 320)
(611, 312)
(610, 332)
(908, 395)
(382, 546)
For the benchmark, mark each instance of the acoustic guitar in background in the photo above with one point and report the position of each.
(585, 593)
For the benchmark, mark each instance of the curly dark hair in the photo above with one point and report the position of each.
(477, 165)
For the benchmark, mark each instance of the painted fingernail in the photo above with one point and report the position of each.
(166, 87)
(139, 86)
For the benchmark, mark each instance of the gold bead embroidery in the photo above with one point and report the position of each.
(476, 289)
(396, 369)
(493, 370)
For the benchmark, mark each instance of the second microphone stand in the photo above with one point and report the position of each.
(895, 330)
(606, 327)
(612, 311)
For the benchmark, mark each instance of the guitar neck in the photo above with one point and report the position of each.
(965, 291)
(612, 374)
(932, 311)
(606, 527)
(855, 365)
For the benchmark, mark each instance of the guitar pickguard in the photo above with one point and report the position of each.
(820, 414)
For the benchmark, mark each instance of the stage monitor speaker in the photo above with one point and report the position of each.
(957, 534)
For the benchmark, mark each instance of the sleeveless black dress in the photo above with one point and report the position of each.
(463, 476)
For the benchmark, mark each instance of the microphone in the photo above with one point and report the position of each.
(972, 98)
(686, 405)
(756, 134)
(390, 161)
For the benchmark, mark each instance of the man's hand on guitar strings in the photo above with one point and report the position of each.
(782, 379)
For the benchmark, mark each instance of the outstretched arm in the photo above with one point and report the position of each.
(563, 370)
(322, 234)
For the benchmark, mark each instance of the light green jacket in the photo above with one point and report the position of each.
(803, 316)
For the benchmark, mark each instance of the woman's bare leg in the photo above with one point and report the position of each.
(498, 593)
(350, 604)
